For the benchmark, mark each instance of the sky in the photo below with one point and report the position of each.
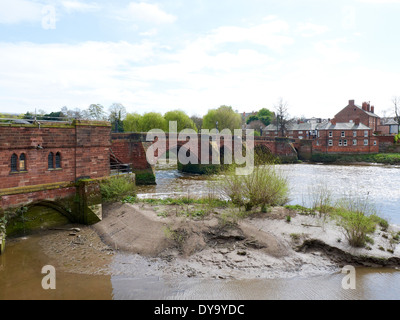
(195, 55)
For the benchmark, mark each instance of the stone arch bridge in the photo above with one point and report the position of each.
(133, 148)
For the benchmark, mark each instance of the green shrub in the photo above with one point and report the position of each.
(358, 218)
(263, 187)
(117, 188)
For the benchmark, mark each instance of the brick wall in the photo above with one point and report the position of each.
(83, 146)
(321, 145)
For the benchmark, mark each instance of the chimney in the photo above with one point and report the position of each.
(333, 121)
(351, 103)
(357, 121)
(365, 106)
(372, 109)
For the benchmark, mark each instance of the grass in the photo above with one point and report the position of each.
(384, 158)
(117, 188)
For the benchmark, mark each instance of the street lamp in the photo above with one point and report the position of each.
(216, 123)
(261, 131)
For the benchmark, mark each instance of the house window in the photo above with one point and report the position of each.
(354, 133)
(300, 132)
(375, 143)
(365, 142)
(330, 143)
(365, 133)
(22, 162)
(340, 142)
(50, 160)
(354, 142)
(300, 137)
(290, 132)
(343, 134)
(345, 143)
(58, 160)
(14, 161)
(330, 134)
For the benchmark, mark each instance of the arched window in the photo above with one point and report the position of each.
(58, 160)
(51, 160)
(22, 162)
(14, 163)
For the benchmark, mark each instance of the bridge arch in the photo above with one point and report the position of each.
(38, 215)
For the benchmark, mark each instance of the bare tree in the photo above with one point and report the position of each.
(282, 116)
(396, 104)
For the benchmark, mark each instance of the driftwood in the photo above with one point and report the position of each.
(310, 225)
(63, 229)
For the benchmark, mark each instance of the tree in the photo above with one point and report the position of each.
(183, 120)
(282, 116)
(54, 116)
(396, 103)
(116, 116)
(266, 116)
(95, 112)
(153, 120)
(222, 118)
(198, 121)
(133, 122)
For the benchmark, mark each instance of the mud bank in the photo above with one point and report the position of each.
(156, 241)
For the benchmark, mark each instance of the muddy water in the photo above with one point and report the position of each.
(20, 278)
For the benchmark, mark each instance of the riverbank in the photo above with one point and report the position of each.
(162, 239)
(171, 241)
(381, 158)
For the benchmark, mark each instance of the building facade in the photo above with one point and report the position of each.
(364, 114)
(45, 162)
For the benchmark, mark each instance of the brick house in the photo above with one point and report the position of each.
(364, 114)
(294, 130)
(345, 137)
(388, 126)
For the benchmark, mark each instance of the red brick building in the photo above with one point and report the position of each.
(345, 137)
(364, 114)
(43, 161)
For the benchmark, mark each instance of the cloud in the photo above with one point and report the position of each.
(379, 1)
(77, 6)
(145, 13)
(310, 30)
(17, 11)
(73, 75)
(271, 34)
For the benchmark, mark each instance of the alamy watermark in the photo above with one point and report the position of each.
(204, 148)
(49, 280)
(349, 281)
(48, 17)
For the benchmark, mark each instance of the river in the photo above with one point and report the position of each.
(20, 266)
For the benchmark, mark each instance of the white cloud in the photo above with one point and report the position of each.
(310, 30)
(334, 52)
(145, 12)
(51, 75)
(379, 1)
(17, 11)
(271, 34)
(77, 6)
